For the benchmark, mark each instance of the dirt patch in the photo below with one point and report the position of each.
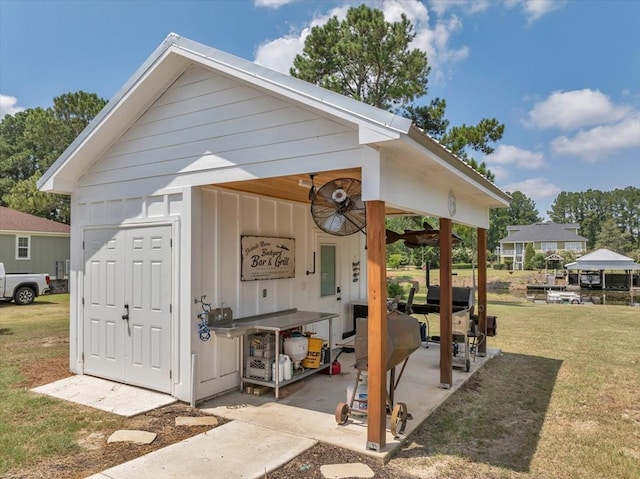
(37, 373)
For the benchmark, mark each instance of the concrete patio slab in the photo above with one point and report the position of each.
(106, 395)
(310, 412)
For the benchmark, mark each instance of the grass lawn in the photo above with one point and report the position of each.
(563, 401)
(32, 339)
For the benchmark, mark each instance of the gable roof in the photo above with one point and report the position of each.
(603, 259)
(12, 220)
(543, 232)
(176, 54)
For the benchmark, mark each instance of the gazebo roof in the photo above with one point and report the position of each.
(602, 259)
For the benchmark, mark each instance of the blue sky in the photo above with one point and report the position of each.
(564, 76)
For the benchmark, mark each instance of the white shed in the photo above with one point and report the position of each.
(198, 149)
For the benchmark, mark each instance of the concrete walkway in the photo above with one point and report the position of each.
(234, 450)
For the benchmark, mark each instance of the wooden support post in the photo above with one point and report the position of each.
(377, 325)
(446, 304)
(482, 290)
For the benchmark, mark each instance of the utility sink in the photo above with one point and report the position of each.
(231, 328)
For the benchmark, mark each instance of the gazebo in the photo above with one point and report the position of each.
(602, 260)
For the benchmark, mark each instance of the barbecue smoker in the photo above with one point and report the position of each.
(403, 338)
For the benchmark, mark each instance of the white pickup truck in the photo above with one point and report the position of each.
(23, 288)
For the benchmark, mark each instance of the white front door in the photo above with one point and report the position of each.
(329, 286)
(127, 305)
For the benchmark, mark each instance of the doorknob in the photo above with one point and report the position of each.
(125, 316)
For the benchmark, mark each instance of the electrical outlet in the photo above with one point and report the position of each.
(264, 293)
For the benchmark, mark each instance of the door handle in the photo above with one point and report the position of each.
(125, 316)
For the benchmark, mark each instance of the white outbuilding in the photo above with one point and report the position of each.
(199, 154)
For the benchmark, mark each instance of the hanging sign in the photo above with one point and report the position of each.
(267, 257)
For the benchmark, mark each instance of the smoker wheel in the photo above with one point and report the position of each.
(398, 419)
(342, 413)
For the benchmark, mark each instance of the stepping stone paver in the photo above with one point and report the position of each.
(197, 421)
(132, 435)
(338, 471)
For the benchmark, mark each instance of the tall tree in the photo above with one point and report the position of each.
(369, 59)
(588, 208)
(30, 141)
(366, 58)
(613, 238)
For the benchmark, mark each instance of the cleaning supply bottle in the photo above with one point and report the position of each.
(288, 367)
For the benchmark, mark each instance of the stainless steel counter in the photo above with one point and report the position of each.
(274, 322)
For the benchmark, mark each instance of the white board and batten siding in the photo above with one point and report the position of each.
(122, 254)
(224, 217)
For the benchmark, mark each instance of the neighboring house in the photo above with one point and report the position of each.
(31, 244)
(180, 183)
(547, 238)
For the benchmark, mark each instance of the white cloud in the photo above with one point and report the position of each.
(512, 155)
(469, 6)
(534, 188)
(279, 53)
(535, 9)
(574, 109)
(601, 141)
(9, 105)
(272, 3)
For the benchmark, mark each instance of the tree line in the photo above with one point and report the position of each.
(30, 141)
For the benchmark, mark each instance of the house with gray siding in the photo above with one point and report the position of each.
(545, 237)
(31, 244)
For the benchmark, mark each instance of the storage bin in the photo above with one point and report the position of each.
(259, 368)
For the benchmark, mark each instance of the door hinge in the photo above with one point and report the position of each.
(83, 301)
(170, 308)
(83, 356)
(170, 242)
(170, 374)
(83, 245)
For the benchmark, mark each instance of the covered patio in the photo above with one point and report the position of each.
(309, 412)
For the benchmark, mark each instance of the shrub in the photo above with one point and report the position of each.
(396, 260)
(395, 289)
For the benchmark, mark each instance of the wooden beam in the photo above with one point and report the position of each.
(482, 290)
(446, 304)
(377, 325)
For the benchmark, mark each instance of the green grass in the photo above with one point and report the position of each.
(33, 427)
(562, 401)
